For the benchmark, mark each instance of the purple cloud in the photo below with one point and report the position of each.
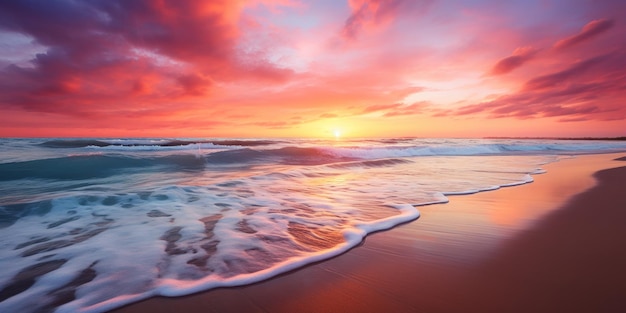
(117, 50)
(592, 29)
(590, 89)
(519, 57)
(372, 13)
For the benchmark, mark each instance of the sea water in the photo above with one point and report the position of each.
(88, 225)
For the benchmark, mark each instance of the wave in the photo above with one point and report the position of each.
(79, 167)
(79, 143)
(286, 155)
(386, 155)
(366, 157)
(369, 163)
(471, 150)
(92, 166)
(10, 213)
(83, 143)
(300, 151)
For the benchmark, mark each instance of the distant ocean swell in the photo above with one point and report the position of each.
(89, 225)
(82, 143)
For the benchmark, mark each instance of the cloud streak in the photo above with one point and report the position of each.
(397, 109)
(520, 56)
(589, 31)
(592, 89)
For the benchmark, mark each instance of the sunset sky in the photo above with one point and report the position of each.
(295, 68)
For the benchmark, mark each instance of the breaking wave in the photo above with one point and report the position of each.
(82, 143)
(94, 166)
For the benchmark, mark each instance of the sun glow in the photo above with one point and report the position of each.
(337, 133)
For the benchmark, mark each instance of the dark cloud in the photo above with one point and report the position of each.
(592, 29)
(508, 64)
(114, 50)
(183, 30)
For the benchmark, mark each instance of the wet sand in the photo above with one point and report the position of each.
(556, 245)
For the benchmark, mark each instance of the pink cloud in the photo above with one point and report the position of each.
(520, 56)
(397, 109)
(369, 14)
(411, 109)
(589, 31)
(592, 89)
(562, 77)
(194, 84)
(380, 107)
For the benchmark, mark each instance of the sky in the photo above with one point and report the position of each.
(295, 68)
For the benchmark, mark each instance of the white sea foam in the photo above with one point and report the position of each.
(190, 147)
(469, 149)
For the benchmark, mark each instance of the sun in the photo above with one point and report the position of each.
(337, 133)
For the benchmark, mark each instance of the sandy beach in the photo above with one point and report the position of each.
(555, 245)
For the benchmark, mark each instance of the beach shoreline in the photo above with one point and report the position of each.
(531, 248)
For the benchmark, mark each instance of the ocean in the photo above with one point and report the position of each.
(88, 225)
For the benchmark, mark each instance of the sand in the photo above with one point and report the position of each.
(556, 245)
